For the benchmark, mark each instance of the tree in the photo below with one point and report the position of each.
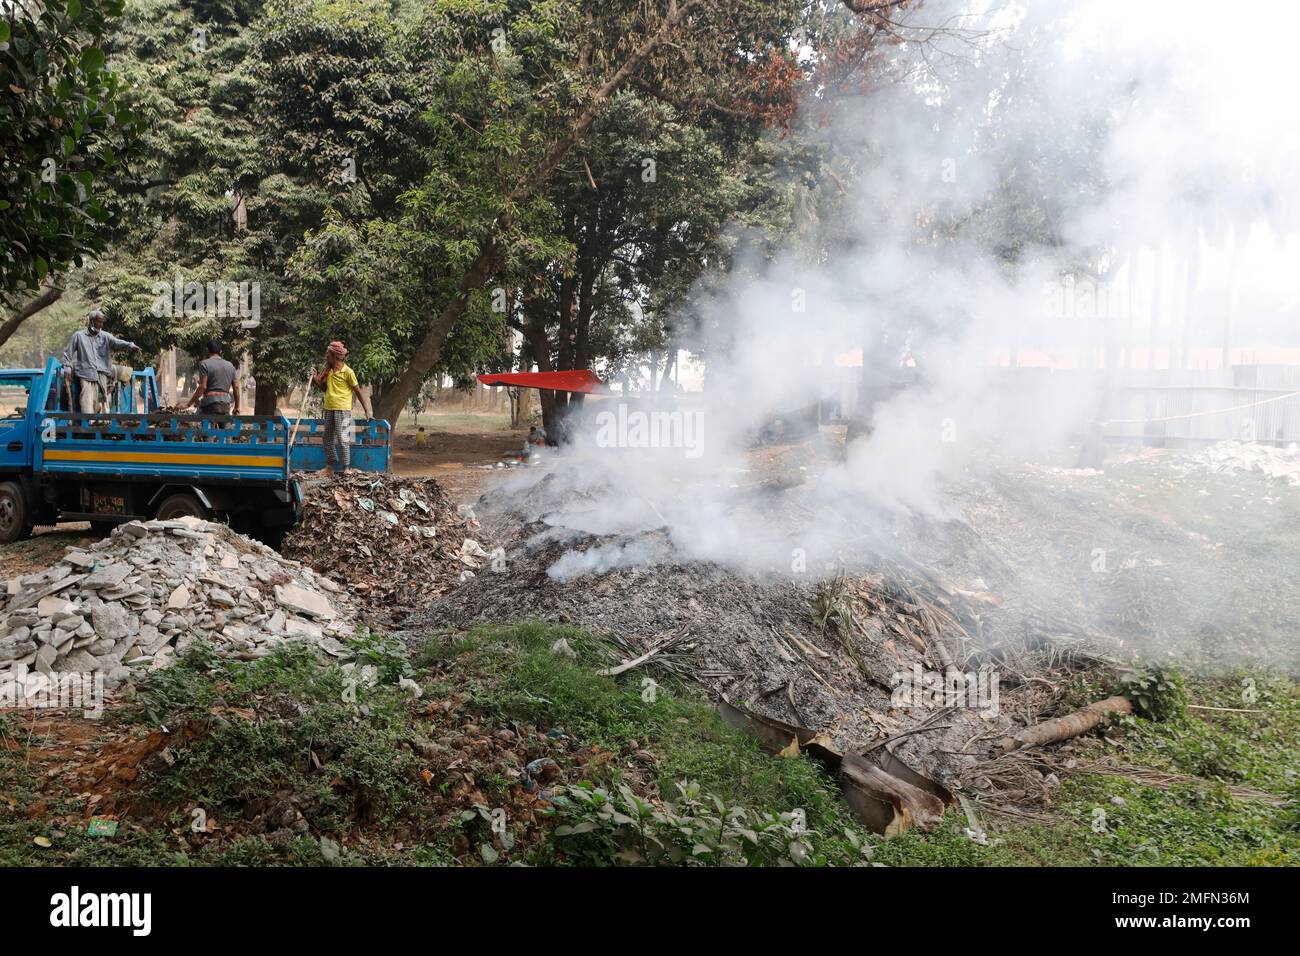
(695, 50)
(63, 125)
(266, 121)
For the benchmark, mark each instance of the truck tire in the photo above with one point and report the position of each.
(180, 505)
(15, 522)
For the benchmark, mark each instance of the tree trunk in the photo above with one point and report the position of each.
(1157, 309)
(1063, 728)
(492, 253)
(267, 398)
(1230, 304)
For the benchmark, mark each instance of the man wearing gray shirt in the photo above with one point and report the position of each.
(218, 384)
(89, 356)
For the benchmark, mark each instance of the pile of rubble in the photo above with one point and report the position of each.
(152, 588)
(390, 540)
(1233, 458)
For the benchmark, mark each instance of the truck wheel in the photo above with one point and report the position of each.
(14, 522)
(180, 505)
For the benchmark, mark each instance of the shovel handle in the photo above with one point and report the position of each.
(306, 391)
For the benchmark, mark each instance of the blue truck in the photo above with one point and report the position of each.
(140, 461)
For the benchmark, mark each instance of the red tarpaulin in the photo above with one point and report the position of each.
(580, 380)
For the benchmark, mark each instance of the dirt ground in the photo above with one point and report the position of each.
(461, 449)
(43, 548)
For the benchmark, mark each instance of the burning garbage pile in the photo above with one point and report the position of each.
(938, 657)
(839, 655)
(391, 541)
(153, 588)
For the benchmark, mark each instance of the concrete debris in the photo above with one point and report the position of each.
(153, 588)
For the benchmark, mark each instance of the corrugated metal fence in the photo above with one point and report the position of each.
(1178, 407)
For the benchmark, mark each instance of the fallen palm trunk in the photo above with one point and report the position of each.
(886, 804)
(1063, 728)
(779, 738)
(895, 767)
(890, 798)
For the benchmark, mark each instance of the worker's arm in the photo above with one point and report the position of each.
(365, 402)
(236, 387)
(116, 343)
(318, 379)
(198, 392)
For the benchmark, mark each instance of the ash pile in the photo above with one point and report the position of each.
(153, 588)
(392, 541)
(831, 655)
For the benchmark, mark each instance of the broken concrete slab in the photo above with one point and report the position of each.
(303, 601)
(107, 577)
(52, 607)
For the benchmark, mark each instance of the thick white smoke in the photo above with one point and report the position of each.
(1018, 169)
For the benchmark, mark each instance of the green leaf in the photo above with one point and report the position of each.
(42, 268)
(92, 59)
(74, 9)
(4, 32)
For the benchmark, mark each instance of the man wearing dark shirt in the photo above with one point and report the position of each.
(218, 384)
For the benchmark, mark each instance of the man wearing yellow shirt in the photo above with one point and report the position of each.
(340, 385)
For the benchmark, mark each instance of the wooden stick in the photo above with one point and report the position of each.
(1226, 710)
(306, 392)
(628, 665)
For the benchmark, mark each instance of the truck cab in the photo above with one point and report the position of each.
(16, 389)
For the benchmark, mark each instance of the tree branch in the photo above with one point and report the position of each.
(46, 298)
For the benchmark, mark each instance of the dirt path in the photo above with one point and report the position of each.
(43, 548)
(460, 450)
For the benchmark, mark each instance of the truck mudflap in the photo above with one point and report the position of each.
(288, 508)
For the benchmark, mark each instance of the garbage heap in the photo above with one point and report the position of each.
(136, 598)
(1235, 458)
(392, 541)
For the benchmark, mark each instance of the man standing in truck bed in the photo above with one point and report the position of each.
(218, 384)
(340, 385)
(89, 356)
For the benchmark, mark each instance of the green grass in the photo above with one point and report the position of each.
(516, 676)
(282, 729)
(288, 726)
